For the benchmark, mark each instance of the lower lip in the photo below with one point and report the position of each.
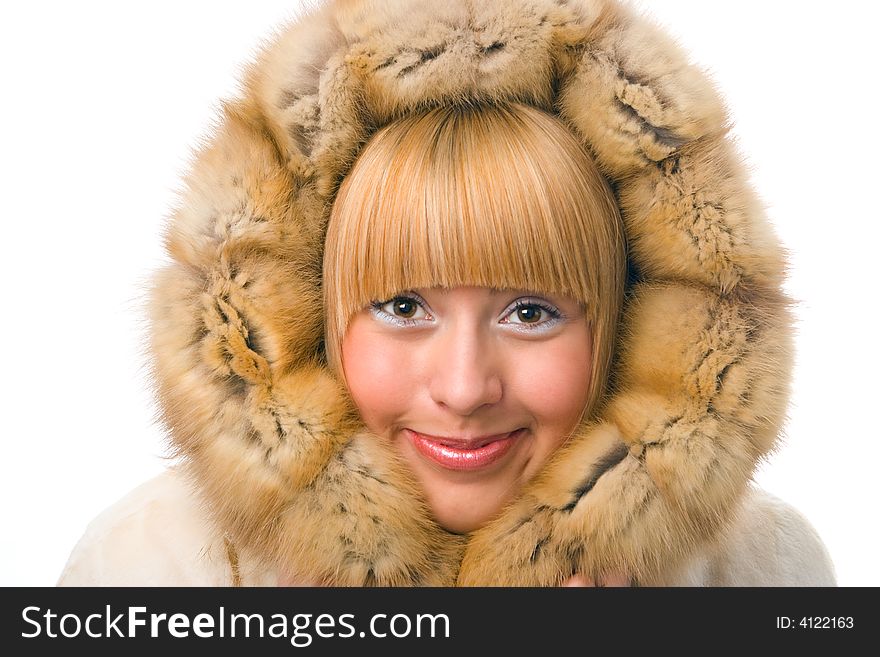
(455, 458)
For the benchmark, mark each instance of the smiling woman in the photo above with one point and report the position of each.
(554, 344)
(514, 336)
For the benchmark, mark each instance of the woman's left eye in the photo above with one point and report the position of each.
(532, 314)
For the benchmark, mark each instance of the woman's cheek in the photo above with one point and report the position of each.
(377, 374)
(555, 385)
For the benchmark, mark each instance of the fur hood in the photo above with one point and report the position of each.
(272, 440)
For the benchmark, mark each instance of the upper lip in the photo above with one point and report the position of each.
(472, 442)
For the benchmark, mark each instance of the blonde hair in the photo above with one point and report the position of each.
(502, 196)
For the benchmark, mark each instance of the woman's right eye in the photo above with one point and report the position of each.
(404, 310)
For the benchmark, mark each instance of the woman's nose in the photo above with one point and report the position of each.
(465, 371)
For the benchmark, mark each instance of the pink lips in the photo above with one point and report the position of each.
(459, 454)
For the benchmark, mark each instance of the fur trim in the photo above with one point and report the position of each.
(700, 383)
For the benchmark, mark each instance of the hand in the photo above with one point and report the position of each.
(614, 580)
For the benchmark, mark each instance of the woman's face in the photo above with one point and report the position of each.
(474, 387)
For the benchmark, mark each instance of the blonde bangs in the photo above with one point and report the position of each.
(495, 196)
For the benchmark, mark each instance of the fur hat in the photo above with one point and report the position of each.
(272, 441)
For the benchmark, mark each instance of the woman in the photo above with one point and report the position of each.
(422, 434)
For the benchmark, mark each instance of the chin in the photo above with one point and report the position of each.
(458, 521)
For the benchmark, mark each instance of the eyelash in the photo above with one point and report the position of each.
(554, 312)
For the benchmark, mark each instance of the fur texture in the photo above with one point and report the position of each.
(700, 381)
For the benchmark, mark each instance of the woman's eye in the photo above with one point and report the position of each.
(403, 307)
(400, 309)
(530, 313)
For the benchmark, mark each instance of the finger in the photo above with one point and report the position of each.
(579, 580)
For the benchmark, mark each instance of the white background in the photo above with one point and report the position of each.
(102, 102)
